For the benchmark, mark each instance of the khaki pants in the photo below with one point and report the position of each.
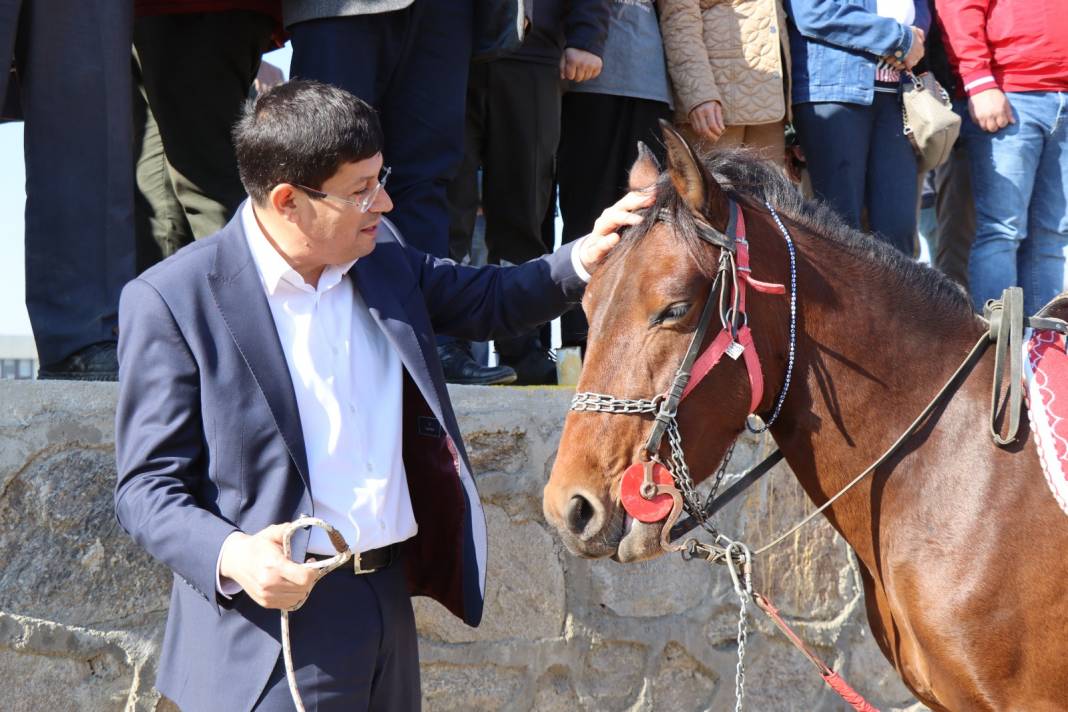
(766, 139)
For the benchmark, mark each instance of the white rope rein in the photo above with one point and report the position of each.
(343, 556)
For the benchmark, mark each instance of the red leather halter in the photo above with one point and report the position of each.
(725, 339)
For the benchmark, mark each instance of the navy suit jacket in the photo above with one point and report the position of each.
(209, 441)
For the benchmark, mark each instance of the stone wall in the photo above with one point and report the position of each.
(82, 609)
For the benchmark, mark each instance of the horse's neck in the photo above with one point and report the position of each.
(870, 358)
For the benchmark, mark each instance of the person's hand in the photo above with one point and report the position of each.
(915, 53)
(267, 77)
(256, 563)
(707, 120)
(991, 110)
(917, 49)
(578, 65)
(597, 245)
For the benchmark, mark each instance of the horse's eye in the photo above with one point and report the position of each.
(672, 313)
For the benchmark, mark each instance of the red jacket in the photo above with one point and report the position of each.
(1014, 45)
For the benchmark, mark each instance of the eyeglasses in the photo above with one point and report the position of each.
(364, 204)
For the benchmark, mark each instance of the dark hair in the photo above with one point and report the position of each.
(301, 132)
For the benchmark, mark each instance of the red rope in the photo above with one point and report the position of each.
(847, 693)
(829, 676)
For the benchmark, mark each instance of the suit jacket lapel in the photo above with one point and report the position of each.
(238, 291)
(381, 300)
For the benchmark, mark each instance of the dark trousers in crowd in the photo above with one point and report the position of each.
(511, 131)
(73, 64)
(954, 214)
(411, 65)
(598, 144)
(858, 158)
(193, 74)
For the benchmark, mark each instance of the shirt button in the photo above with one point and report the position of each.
(899, 54)
(369, 468)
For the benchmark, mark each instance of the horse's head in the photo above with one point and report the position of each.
(643, 306)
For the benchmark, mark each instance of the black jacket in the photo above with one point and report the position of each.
(556, 24)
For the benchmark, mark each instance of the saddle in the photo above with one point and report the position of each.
(1045, 371)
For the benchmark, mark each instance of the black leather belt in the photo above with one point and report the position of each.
(366, 562)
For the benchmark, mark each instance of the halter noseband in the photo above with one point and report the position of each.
(647, 490)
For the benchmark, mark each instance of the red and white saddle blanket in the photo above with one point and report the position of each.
(1046, 386)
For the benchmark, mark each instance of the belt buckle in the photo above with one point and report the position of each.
(357, 568)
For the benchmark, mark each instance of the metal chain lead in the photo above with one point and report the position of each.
(680, 471)
(739, 557)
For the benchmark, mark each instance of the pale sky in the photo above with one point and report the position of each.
(13, 318)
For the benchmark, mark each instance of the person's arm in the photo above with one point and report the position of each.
(964, 30)
(477, 303)
(585, 32)
(159, 443)
(682, 28)
(851, 27)
(964, 26)
(160, 455)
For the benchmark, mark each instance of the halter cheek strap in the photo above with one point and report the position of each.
(730, 339)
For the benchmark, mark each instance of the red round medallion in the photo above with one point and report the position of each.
(630, 493)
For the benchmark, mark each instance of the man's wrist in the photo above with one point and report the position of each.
(224, 585)
(576, 260)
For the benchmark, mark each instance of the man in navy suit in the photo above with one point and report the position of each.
(287, 365)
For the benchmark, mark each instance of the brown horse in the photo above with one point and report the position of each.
(963, 550)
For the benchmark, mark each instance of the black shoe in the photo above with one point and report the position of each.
(533, 364)
(461, 367)
(96, 362)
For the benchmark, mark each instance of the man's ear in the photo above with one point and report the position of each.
(645, 171)
(282, 200)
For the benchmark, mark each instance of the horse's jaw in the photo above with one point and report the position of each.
(640, 542)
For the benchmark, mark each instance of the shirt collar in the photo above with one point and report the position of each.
(275, 272)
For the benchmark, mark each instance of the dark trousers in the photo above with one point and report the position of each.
(859, 158)
(955, 215)
(73, 63)
(511, 131)
(354, 647)
(193, 74)
(598, 144)
(411, 65)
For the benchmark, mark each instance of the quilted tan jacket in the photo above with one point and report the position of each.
(732, 51)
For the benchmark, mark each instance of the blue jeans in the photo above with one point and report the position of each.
(1020, 181)
(858, 157)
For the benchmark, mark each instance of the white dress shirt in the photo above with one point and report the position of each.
(347, 379)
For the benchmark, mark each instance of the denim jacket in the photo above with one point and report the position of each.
(836, 44)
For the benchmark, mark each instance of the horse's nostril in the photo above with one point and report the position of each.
(580, 512)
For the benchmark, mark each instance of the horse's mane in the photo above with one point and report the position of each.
(753, 182)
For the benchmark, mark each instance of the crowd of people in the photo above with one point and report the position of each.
(129, 154)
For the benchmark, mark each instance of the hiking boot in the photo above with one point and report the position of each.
(461, 367)
(96, 362)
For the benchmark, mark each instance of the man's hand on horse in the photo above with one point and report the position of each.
(258, 565)
(596, 246)
(578, 65)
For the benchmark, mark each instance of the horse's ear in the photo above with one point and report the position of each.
(645, 171)
(696, 187)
